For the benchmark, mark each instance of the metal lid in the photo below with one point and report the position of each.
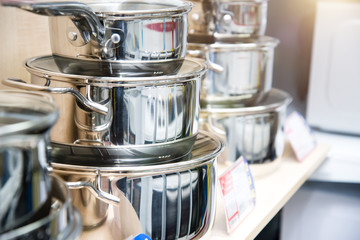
(246, 44)
(137, 9)
(26, 112)
(206, 148)
(268, 102)
(114, 72)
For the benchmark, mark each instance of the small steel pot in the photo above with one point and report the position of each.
(62, 223)
(240, 19)
(256, 132)
(137, 31)
(117, 111)
(238, 73)
(202, 21)
(168, 200)
(25, 121)
(227, 21)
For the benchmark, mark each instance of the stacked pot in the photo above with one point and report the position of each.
(34, 205)
(237, 99)
(127, 141)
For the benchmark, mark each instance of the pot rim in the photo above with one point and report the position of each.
(175, 8)
(118, 81)
(250, 44)
(273, 100)
(46, 120)
(142, 169)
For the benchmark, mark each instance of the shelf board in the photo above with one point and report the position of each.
(273, 189)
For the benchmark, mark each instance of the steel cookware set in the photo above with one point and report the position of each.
(34, 205)
(237, 99)
(127, 142)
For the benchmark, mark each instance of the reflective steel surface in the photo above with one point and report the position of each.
(168, 200)
(243, 70)
(62, 223)
(256, 132)
(240, 19)
(138, 110)
(121, 30)
(25, 120)
(202, 21)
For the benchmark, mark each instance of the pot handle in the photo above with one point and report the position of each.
(96, 190)
(18, 83)
(205, 54)
(81, 14)
(213, 125)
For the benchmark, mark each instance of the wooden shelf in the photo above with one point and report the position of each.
(273, 189)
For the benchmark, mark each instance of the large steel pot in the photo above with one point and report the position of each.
(62, 223)
(255, 132)
(240, 19)
(136, 31)
(25, 121)
(116, 111)
(238, 72)
(168, 200)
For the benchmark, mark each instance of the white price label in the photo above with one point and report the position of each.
(238, 193)
(300, 135)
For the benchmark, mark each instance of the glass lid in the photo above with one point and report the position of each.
(61, 68)
(139, 8)
(206, 147)
(24, 112)
(270, 101)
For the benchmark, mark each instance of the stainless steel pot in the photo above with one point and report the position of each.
(255, 132)
(227, 20)
(117, 111)
(62, 223)
(238, 72)
(240, 19)
(135, 31)
(25, 121)
(169, 200)
(202, 21)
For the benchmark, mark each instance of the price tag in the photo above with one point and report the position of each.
(238, 193)
(300, 135)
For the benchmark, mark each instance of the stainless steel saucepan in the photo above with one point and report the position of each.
(202, 21)
(255, 132)
(136, 31)
(238, 72)
(25, 122)
(170, 200)
(227, 20)
(240, 19)
(117, 111)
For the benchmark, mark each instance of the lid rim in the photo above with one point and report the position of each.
(44, 72)
(151, 169)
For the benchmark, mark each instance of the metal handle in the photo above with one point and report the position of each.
(96, 190)
(212, 123)
(206, 55)
(213, 66)
(98, 193)
(18, 83)
(81, 14)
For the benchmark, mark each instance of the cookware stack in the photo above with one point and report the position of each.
(127, 141)
(237, 99)
(34, 205)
